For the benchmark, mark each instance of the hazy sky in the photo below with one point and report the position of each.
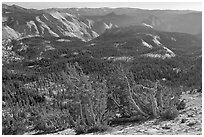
(143, 5)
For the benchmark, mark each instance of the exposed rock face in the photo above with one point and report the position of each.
(20, 22)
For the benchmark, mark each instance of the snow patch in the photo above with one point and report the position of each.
(163, 54)
(90, 23)
(30, 66)
(171, 53)
(94, 34)
(168, 54)
(147, 25)
(63, 55)
(177, 70)
(69, 14)
(75, 53)
(32, 23)
(108, 26)
(72, 29)
(45, 17)
(123, 58)
(48, 47)
(63, 40)
(92, 44)
(7, 12)
(69, 25)
(146, 44)
(153, 55)
(41, 53)
(45, 26)
(156, 39)
(172, 38)
(57, 15)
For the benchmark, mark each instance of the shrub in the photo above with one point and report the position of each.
(87, 103)
(91, 97)
(147, 98)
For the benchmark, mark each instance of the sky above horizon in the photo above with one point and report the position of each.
(143, 5)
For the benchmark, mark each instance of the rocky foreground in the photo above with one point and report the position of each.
(189, 122)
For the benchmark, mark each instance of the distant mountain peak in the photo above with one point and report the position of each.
(14, 6)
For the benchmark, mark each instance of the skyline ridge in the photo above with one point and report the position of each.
(135, 5)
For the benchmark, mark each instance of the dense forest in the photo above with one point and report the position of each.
(48, 85)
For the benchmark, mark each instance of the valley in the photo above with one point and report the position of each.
(85, 69)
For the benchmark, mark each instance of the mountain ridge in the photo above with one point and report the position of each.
(88, 23)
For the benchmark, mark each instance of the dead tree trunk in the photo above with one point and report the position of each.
(132, 100)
